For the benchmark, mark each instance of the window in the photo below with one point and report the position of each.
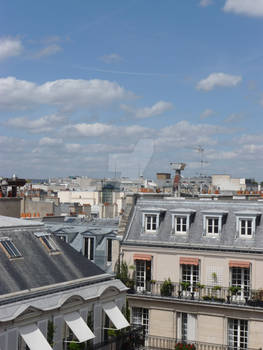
(190, 274)
(240, 277)
(213, 221)
(245, 228)
(150, 222)
(246, 222)
(180, 224)
(212, 226)
(109, 250)
(89, 247)
(186, 324)
(9, 248)
(181, 219)
(237, 334)
(143, 275)
(49, 243)
(63, 238)
(140, 316)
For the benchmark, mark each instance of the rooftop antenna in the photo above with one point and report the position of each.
(177, 167)
(201, 150)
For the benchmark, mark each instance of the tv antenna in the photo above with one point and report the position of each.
(201, 150)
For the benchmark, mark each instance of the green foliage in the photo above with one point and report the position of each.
(217, 288)
(50, 333)
(234, 290)
(167, 288)
(76, 346)
(185, 285)
(200, 286)
(122, 273)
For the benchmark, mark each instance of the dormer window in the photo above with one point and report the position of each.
(151, 219)
(180, 224)
(212, 226)
(150, 222)
(9, 248)
(181, 220)
(245, 227)
(213, 221)
(246, 222)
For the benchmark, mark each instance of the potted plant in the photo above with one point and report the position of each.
(234, 290)
(185, 285)
(167, 288)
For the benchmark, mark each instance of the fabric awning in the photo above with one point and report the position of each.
(235, 263)
(78, 326)
(189, 261)
(34, 338)
(115, 315)
(142, 257)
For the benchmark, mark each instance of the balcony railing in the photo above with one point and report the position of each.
(154, 342)
(214, 294)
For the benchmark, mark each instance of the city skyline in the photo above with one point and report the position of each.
(95, 88)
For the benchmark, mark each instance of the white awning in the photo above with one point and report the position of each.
(115, 315)
(78, 326)
(33, 337)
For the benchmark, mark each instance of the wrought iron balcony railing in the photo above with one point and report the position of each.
(154, 342)
(214, 294)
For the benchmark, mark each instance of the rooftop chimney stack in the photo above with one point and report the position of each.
(177, 167)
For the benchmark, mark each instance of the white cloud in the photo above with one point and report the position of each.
(234, 117)
(68, 93)
(49, 141)
(207, 113)
(205, 3)
(48, 51)
(147, 112)
(43, 124)
(10, 47)
(218, 80)
(101, 129)
(111, 58)
(253, 8)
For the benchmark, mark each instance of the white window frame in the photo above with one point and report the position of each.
(150, 215)
(181, 221)
(89, 247)
(213, 225)
(140, 316)
(186, 326)
(252, 228)
(181, 214)
(246, 216)
(193, 278)
(213, 214)
(237, 329)
(245, 283)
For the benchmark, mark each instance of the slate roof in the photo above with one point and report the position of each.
(38, 267)
(228, 239)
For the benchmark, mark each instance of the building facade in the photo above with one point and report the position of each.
(197, 267)
(50, 295)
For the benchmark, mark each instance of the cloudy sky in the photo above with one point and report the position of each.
(98, 87)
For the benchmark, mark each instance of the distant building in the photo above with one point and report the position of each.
(226, 183)
(50, 295)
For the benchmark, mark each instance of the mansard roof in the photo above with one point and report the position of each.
(37, 266)
(227, 239)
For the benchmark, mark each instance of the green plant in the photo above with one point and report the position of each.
(207, 298)
(122, 273)
(185, 285)
(215, 288)
(153, 281)
(200, 286)
(50, 332)
(167, 288)
(76, 346)
(234, 290)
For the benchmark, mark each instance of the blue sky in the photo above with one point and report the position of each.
(90, 87)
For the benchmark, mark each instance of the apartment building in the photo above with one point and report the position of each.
(50, 295)
(197, 268)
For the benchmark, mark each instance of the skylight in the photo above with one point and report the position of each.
(10, 249)
(49, 243)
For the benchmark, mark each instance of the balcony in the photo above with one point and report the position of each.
(154, 342)
(212, 294)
